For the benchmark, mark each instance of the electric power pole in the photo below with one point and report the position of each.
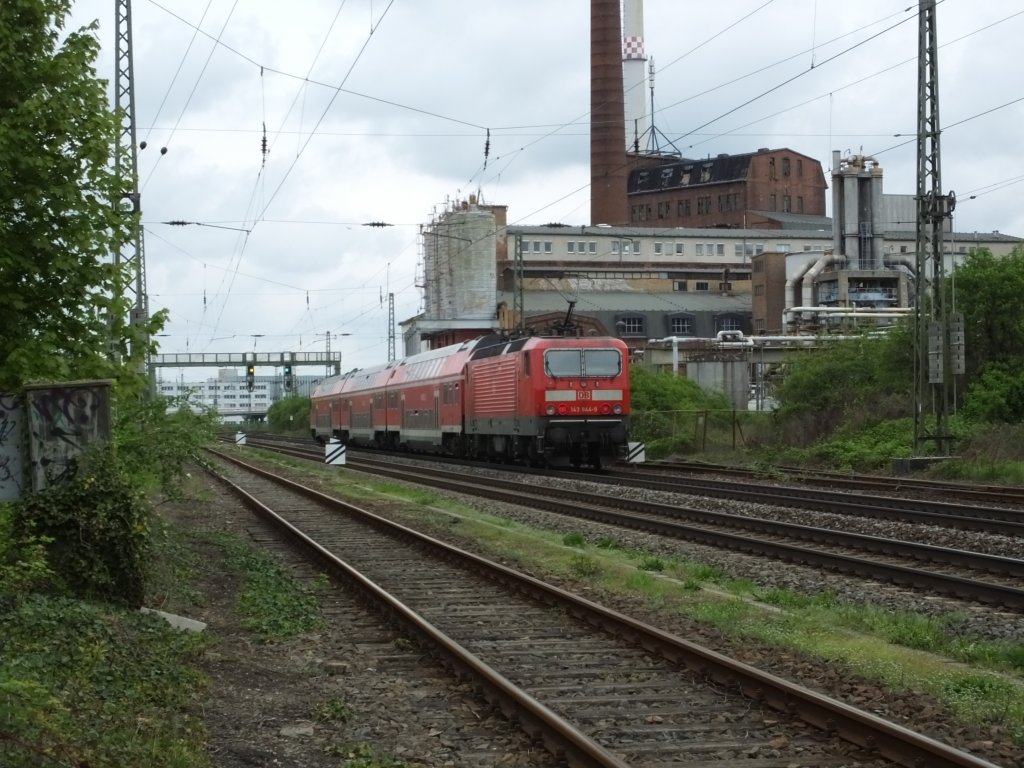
(126, 163)
(391, 327)
(518, 310)
(934, 364)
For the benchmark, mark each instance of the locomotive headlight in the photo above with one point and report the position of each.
(550, 410)
(617, 409)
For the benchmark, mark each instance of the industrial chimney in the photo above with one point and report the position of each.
(608, 171)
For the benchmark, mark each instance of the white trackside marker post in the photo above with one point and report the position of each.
(334, 452)
(239, 438)
(636, 453)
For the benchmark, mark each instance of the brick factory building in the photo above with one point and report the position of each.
(725, 191)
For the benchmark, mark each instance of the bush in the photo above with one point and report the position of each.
(95, 530)
(290, 415)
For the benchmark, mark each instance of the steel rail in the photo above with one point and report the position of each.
(864, 729)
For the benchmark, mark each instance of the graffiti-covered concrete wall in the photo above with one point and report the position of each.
(12, 447)
(62, 420)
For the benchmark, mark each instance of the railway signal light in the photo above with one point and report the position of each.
(289, 381)
(250, 377)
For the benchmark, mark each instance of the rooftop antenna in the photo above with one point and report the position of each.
(655, 137)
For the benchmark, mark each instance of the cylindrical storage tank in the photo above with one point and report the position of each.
(851, 219)
(877, 219)
(431, 304)
(837, 202)
(473, 267)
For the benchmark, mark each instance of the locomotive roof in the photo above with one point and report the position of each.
(430, 363)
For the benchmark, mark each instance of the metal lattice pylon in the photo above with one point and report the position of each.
(126, 163)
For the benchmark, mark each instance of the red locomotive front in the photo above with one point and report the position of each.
(554, 401)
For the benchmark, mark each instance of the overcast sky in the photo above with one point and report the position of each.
(378, 111)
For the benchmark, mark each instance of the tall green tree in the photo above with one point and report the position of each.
(989, 291)
(62, 299)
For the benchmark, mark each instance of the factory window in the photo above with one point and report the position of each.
(903, 249)
(701, 285)
(680, 249)
(720, 249)
(680, 326)
(799, 167)
(782, 248)
(581, 247)
(799, 204)
(571, 246)
(771, 170)
(728, 324)
(785, 204)
(700, 249)
(759, 290)
(684, 208)
(705, 173)
(592, 246)
(657, 248)
(636, 247)
(785, 166)
(772, 202)
(679, 285)
(631, 326)
(547, 246)
(536, 246)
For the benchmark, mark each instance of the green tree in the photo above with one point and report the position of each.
(289, 415)
(61, 219)
(853, 383)
(989, 291)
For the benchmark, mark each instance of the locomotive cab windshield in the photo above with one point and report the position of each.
(579, 363)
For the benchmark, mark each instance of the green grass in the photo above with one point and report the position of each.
(271, 603)
(85, 684)
(362, 755)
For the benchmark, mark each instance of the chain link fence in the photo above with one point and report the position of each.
(700, 432)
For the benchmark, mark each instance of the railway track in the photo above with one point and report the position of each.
(598, 688)
(975, 576)
(974, 492)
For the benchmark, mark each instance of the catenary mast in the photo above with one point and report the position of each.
(939, 353)
(126, 162)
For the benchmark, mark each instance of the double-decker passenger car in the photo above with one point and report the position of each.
(545, 400)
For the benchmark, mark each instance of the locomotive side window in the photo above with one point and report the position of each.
(582, 362)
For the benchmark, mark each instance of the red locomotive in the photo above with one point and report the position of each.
(547, 401)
